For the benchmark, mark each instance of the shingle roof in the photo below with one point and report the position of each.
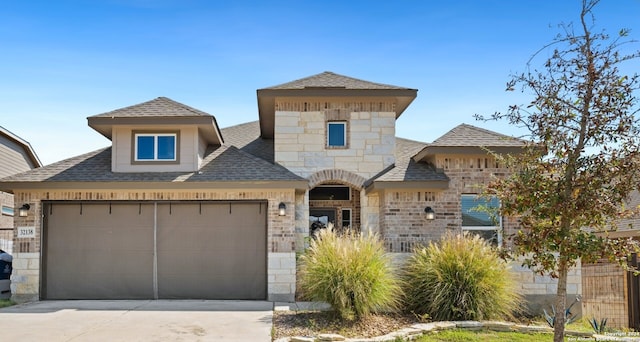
(406, 169)
(221, 164)
(159, 107)
(470, 139)
(247, 138)
(468, 135)
(329, 79)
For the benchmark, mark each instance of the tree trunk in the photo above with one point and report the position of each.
(561, 301)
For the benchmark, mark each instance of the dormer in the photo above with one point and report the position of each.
(330, 121)
(160, 135)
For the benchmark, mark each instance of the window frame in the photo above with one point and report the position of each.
(497, 228)
(342, 220)
(8, 211)
(344, 132)
(349, 198)
(155, 134)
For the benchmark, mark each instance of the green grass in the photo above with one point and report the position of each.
(351, 272)
(482, 336)
(6, 302)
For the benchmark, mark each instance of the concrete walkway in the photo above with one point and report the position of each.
(137, 320)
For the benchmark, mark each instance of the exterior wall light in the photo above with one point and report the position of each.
(24, 210)
(282, 209)
(430, 213)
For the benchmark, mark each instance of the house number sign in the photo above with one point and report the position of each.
(26, 232)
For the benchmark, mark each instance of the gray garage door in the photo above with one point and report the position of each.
(187, 250)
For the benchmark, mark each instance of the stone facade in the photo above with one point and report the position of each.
(281, 237)
(300, 140)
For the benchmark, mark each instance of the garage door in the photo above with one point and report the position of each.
(185, 250)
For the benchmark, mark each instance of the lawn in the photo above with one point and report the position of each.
(483, 335)
(5, 302)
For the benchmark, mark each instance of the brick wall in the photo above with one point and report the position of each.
(281, 232)
(404, 226)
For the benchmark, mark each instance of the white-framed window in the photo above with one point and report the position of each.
(7, 211)
(479, 216)
(337, 134)
(346, 218)
(155, 147)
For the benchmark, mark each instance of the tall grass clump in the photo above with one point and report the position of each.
(351, 272)
(459, 278)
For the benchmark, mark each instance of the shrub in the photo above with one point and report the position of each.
(351, 272)
(460, 278)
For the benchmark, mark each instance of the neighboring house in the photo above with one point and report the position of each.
(16, 155)
(178, 208)
(608, 290)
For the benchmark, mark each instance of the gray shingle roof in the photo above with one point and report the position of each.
(329, 79)
(247, 138)
(406, 169)
(221, 164)
(468, 135)
(159, 107)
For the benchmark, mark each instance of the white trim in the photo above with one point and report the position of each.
(155, 145)
(344, 132)
(8, 211)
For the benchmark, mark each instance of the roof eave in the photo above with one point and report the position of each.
(12, 187)
(434, 150)
(207, 125)
(266, 100)
(424, 185)
(31, 153)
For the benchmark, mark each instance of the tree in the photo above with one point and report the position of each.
(583, 116)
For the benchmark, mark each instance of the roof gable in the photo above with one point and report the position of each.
(160, 111)
(24, 145)
(468, 139)
(159, 107)
(468, 135)
(329, 79)
(328, 85)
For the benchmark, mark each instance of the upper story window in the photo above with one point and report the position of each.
(337, 134)
(155, 147)
(478, 217)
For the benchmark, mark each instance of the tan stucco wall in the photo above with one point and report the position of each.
(190, 149)
(281, 237)
(300, 140)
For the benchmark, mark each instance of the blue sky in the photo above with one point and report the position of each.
(62, 61)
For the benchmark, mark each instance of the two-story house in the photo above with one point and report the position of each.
(178, 208)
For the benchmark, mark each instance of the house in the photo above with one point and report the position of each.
(16, 155)
(178, 208)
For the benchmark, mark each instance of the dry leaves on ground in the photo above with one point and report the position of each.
(312, 323)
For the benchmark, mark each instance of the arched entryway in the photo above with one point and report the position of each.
(334, 200)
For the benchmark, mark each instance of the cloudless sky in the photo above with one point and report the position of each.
(62, 61)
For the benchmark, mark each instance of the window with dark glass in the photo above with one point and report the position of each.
(336, 134)
(330, 193)
(346, 218)
(155, 147)
(479, 216)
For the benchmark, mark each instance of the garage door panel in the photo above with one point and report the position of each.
(208, 250)
(89, 246)
(207, 244)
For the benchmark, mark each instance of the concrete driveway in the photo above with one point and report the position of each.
(137, 320)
